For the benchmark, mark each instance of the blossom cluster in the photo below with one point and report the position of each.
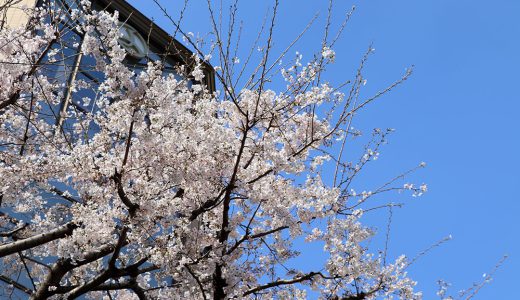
(155, 185)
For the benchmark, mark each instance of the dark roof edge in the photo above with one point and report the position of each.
(159, 36)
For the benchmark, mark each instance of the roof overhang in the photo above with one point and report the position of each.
(158, 37)
(17, 16)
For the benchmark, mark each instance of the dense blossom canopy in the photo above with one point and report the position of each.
(157, 188)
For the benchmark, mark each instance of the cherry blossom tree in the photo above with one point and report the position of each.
(157, 187)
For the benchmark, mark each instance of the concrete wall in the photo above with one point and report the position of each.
(14, 13)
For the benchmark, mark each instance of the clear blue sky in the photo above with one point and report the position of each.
(458, 113)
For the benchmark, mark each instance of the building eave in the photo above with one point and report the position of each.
(158, 36)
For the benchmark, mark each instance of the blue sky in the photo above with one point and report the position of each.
(458, 113)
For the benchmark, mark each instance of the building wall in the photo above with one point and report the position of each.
(14, 12)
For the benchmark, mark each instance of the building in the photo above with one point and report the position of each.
(142, 38)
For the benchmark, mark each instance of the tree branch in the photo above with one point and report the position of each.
(305, 277)
(132, 207)
(16, 284)
(63, 266)
(37, 240)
